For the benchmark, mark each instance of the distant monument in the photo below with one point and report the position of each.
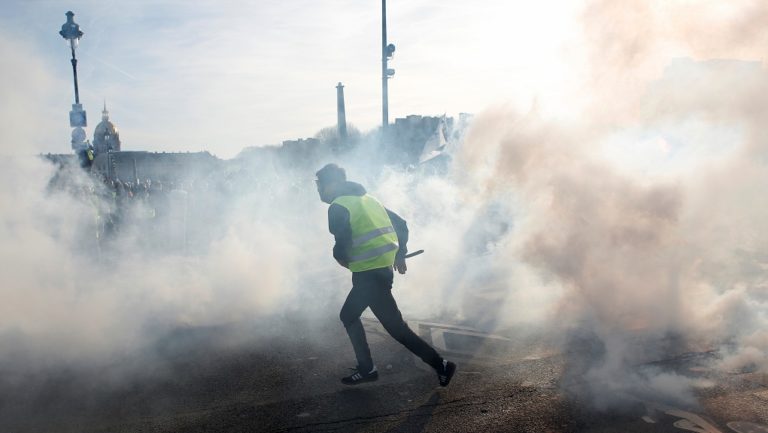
(341, 114)
(105, 136)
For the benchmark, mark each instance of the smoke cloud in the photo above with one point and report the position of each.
(668, 253)
(537, 221)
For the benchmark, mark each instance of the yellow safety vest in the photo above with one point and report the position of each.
(374, 241)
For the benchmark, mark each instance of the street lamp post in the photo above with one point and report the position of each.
(71, 32)
(387, 51)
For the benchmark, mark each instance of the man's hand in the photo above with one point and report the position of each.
(400, 265)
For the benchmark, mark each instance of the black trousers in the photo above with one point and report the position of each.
(374, 289)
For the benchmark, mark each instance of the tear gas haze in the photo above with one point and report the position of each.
(632, 229)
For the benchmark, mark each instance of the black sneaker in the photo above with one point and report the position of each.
(358, 377)
(445, 372)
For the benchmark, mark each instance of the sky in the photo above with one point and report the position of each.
(224, 75)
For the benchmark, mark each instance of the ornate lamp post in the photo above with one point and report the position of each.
(71, 32)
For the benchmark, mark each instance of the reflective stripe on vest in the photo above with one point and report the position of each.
(373, 253)
(374, 241)
(365, 237)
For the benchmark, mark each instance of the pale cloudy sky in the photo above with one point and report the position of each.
(223, 75)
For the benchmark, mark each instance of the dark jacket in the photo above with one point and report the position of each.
(338, 225)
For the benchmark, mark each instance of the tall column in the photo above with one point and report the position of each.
(341, 115)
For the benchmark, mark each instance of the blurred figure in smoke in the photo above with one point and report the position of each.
(370, 240)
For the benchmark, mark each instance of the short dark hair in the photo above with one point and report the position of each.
(331, 173)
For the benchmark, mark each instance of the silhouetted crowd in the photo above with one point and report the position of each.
(151, 215)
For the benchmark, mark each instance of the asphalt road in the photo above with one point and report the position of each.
(229, 379)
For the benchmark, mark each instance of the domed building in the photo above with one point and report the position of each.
(105, 136)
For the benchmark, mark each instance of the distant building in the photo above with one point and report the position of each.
(112, 162)
(130, 166)
(302, 151)
(416, 139)
(105, 136)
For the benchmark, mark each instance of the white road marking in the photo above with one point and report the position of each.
(685, 424)
(688, 421)
(747, 427)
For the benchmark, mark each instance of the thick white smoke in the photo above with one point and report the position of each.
(635, 228)
(537, 221)
(65, 299)
(668, 253)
